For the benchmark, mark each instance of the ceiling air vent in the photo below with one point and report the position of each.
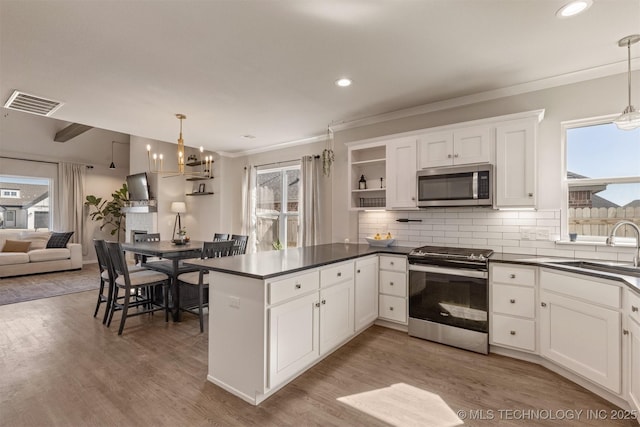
(21, 101)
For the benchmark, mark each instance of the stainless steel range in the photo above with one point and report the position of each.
(448, 296)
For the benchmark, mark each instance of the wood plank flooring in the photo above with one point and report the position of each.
(61, 367)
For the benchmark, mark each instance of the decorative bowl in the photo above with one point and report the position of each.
(381, 242)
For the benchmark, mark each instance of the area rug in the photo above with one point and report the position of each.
(402, 405)
(37, 286)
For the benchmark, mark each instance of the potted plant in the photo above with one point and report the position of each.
(109, 211)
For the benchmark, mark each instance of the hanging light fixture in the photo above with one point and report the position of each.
(630, 118)
(158, 160)
(112, 165)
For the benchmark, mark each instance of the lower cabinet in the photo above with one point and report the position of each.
(336, 315)
(293, 337)
(393, 288)
(633, 357)
(578, 331)
(366, 292)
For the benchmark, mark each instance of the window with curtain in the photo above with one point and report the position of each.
(603, 177)
(277, 207)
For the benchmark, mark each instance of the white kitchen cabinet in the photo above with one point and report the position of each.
(366, 292)
(515, 169)
(368, 160)
(580, 326)
(336, 315)
(455, 147)
(401, 173)
(512, 298)
(393, 288)
(632, 332)
(293, 337)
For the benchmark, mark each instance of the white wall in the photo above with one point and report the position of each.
(592, 98)
(30, 137)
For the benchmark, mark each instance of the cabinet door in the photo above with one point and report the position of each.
(516, 164)
(366, 292)
(435, 149)
(582, 337)
(293, 337)
(633, 371)
(336, 315)
(401, 173)
(472, 145)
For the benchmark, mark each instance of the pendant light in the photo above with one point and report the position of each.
(630, 118)
(112, 165)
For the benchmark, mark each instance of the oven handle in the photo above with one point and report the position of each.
(451, 271)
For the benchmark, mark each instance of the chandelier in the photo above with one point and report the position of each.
(156, 161)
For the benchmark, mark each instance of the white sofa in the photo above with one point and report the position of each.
(39, 259)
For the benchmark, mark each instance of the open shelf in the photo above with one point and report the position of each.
(204, 193)
(368, 162)
(200, 178)
(197, 163)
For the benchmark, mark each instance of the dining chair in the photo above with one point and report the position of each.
(144, 237)
(131, 283)
(220, 236)
(240, 246)
(201, 278)
(105, 278)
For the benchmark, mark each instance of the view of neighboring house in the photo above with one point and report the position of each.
(24, 205)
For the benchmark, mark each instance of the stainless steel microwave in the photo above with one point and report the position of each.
(456, 186)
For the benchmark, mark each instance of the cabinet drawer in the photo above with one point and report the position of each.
(393, 283)
(284, 289)
(336, 274)
(513, 332)
(393, 308)
(393, 263)
(633, 305)
(596, 291)
(513, 274)
(513, 300)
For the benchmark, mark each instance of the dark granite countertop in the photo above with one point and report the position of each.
(632, 282)
(265, 265)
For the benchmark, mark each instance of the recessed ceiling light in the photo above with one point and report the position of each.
(573, 8)
(343, 82)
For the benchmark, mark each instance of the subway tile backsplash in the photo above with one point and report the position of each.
(518, 232)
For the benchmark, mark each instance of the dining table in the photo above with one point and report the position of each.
(172, 254)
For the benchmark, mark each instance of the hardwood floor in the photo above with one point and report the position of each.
(61, 367)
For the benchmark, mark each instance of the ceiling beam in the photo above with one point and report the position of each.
(71, 131)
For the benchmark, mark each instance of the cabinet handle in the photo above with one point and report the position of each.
(512, 301)
(625, 332)
(390, 283)
(391, 263)
(448, 156)
(544, 304)
(298, 285)
(456, 155)
(339, 274)
(317, 304)
(413, 198)
(324, 301)
(390, 308)
(512, 332)
(634, 308)
(530, 194)
(358, 271)
(512, 276)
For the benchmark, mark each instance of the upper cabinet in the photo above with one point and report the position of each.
(401, 173)
(516, 164)
(455, 147)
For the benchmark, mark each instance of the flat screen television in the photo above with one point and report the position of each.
(138, 186)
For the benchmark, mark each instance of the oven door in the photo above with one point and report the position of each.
(449, 296)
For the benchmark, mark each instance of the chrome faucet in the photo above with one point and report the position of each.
(636, 257)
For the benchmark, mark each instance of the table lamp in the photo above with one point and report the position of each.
(178, 208)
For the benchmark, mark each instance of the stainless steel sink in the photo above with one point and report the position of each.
(604, 266)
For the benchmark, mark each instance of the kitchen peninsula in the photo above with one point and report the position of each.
(272, 315)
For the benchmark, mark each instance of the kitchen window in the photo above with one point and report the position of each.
(602, 181)
(277, 207)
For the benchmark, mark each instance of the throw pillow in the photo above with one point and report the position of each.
(16, 246)
(59, 240)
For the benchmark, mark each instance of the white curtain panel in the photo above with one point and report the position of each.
(249, 206)
(310, 171)
(70, 200)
